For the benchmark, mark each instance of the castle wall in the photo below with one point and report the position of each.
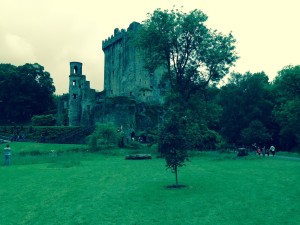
(124, 72)
(127, 84)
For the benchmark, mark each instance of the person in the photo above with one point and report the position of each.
(264, 151)
(258, 151)
(272, 150)
(7, 154)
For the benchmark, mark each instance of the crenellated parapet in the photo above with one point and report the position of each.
(119, 34)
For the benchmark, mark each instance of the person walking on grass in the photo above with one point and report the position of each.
(7, 154)
(272, 150)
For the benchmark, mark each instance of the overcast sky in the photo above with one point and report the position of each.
(55, 32)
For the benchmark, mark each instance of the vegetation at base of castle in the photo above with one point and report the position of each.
(25, 91)
(43, 120)
(38, 133)
(105, 136)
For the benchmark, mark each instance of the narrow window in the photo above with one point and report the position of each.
(75, 69)
(130, 94)
(74, 96)
(151, 87)
(74, 82)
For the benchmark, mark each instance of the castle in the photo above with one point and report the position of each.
(128, 87)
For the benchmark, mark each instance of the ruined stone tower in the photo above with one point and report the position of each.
(81, 97)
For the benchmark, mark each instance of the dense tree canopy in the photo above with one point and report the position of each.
(287, 110)
(25, 91)
(245, 99)
(192, 54)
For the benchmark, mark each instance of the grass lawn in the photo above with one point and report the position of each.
(77, 188)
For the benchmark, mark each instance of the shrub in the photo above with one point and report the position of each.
(105, 136)
(43, 120)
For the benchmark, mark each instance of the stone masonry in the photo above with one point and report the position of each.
(127, 85)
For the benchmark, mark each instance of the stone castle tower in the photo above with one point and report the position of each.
(124, 72)
(127, 86)
(81, 97)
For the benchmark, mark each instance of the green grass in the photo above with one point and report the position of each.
(42, 148)
(77, 188)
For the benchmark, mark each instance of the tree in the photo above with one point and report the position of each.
(286, 88)
(24, 91)
(257, 133)
(172, 143)
(193, 57)
(244, 99)
(192, 54)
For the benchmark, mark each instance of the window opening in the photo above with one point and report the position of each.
(74, 82)
(75, 69)
(74, 96)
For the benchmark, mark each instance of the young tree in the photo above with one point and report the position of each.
(172, 143)
(193, 56)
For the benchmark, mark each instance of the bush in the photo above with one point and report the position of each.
(43, 120)
(105, 136)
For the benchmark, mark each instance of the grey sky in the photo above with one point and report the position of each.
(56, 32)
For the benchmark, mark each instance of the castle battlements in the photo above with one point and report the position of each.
(119, 34)
(114, 38)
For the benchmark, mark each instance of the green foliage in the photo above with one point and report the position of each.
(24, 91)
(43, 120)
(245, 98)
(105, 136)
(192, 54)
(287, 111)
(173, 144)
(33, 133)
(256, 133)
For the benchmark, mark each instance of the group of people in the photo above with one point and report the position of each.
(263, 151)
